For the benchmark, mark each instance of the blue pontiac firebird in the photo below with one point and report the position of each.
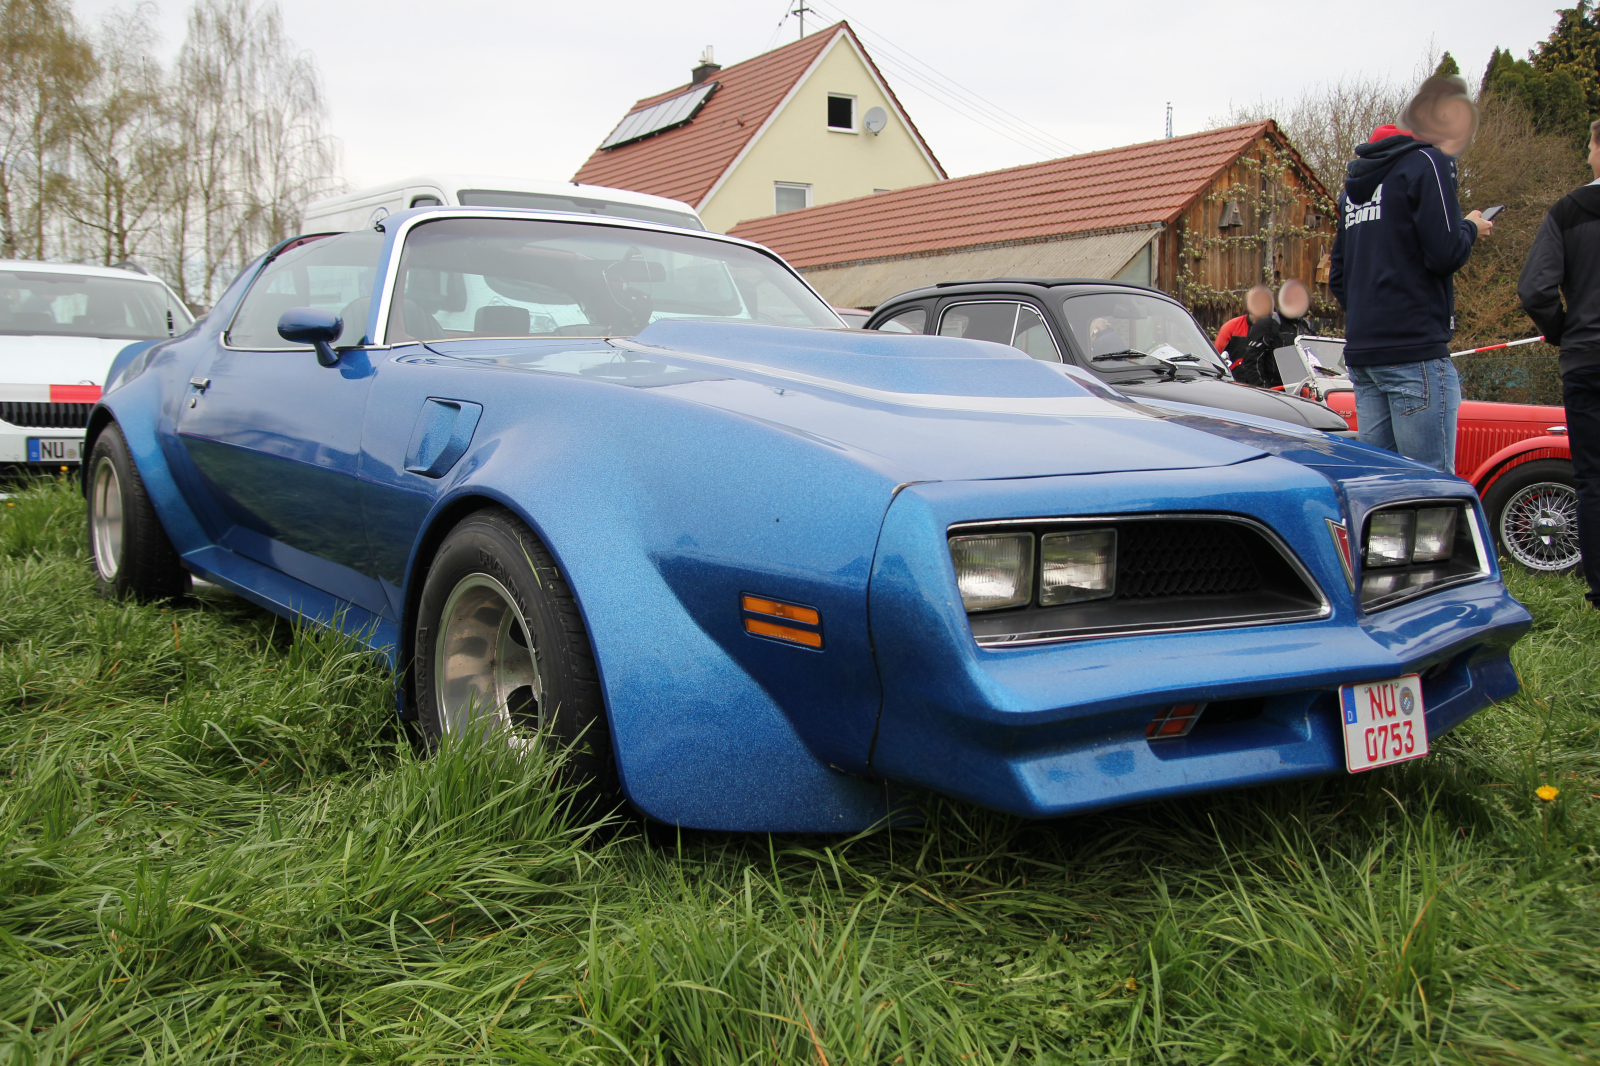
(590, 478)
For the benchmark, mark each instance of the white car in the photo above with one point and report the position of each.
(61, 324)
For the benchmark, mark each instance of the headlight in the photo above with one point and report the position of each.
(993, 570)
(1436, 534)
(1389, 538)
(1409, 550)
(1074, 567)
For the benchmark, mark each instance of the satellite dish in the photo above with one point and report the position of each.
(875, 120)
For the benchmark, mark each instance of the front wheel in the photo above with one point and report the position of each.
(502, 655)
(128, 548)
(1533, 511)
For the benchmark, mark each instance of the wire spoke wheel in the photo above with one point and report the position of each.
(105, 518)
(1539, 526)
(486, 673)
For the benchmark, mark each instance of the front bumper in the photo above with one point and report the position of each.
(1057, 729)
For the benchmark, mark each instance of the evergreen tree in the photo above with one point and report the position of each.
(1447, 66)
(1554, 97)
(1574, 48)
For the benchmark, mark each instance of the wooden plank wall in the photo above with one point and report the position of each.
(1216, 282)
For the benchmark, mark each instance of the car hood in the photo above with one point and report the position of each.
(936, 408)
(1232, 396)
(57, 360)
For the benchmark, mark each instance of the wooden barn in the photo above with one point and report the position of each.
(1204, 217)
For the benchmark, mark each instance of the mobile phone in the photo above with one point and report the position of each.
(1490, 212)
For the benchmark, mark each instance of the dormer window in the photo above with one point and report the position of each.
(841, 113)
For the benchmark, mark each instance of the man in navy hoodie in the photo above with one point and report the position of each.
(1401, 237)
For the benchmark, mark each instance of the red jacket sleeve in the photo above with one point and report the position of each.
(1234, 327)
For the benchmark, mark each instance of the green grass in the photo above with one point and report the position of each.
(217, 848)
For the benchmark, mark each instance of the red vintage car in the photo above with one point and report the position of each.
(1515, 454)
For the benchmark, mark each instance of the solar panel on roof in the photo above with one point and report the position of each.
(639, 124)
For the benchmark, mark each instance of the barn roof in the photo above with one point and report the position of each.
(1141, 186)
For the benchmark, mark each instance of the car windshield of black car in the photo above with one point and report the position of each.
(1126, 333)
(464, 278)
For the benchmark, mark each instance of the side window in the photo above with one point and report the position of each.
(1014, 324)
(1033, 336)
(332, 274)
(911, 321)
(980, 322)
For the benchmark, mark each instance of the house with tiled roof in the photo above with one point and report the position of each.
(1203, 216)
(809, 123)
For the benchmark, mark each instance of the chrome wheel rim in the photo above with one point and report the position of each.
(486, 672)
(105, 518)
(1539, 526)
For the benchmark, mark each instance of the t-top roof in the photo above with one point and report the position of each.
(1139, 185)
(684, 161)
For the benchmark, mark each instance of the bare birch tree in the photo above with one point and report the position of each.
(122, 148)
(44, 65)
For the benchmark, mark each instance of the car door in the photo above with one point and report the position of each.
(1012, 322)
(276, 437)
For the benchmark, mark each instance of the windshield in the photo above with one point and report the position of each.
(1329, 352)
(491, 277)
(45, 303)
(1128, 332)
(587, 205)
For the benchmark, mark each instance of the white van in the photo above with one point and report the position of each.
(360, 209)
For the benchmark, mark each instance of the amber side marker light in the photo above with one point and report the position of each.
(1172, 722)
(789, 612)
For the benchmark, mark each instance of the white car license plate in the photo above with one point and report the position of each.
(1383, 723)
(54, 449)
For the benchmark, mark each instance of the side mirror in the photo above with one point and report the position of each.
(318, 328)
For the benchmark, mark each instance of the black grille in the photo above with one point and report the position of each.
(51, 415)
(1184, 559)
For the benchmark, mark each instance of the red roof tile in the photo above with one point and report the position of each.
(1141, 184)
(684, 163)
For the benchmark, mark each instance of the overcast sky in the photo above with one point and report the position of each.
(529, 88)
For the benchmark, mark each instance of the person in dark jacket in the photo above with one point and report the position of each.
(1565, 263)
(1275, 330)
(1235, 333)
(1401, 237)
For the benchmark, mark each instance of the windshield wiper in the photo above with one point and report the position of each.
(1129, 354)
(1199, 364)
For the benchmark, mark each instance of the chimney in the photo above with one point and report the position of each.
(706, 68)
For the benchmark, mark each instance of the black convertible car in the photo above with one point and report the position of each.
(1138, 340)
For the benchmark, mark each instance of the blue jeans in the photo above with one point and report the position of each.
(1410, 408)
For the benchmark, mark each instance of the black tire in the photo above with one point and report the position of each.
(129, 552)
(1533, 513)
(493, 606)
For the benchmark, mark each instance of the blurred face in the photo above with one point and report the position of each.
(1594, 157)
(1293, 300)
(1448, 125)
(1258, 302)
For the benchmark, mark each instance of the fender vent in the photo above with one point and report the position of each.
(50, 415)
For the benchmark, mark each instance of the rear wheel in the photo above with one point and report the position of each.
(1533, 511)
(502, 654)
(128, 549)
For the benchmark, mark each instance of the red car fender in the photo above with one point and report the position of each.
(1524, 451)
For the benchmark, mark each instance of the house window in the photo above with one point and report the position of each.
(842, 113)
(790, 196)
